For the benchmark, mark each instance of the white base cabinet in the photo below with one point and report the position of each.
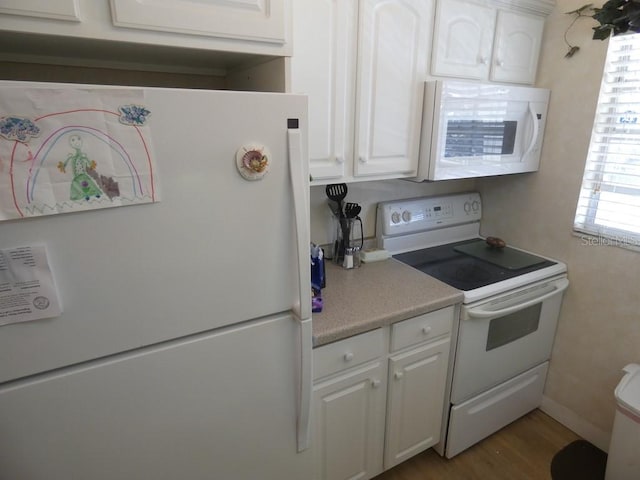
(417, 382)
(349, 414)
(379, 396)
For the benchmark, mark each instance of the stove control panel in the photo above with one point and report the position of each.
(413, 215)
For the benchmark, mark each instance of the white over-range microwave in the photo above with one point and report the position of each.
(479, 129)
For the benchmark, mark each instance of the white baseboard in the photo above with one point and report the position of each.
(575, 423)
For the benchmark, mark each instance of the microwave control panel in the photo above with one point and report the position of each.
(401, 217)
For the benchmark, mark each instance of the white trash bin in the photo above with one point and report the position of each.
(624, 450)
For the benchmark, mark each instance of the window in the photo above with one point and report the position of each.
(609, 202)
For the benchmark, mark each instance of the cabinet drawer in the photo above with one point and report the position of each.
(421, 328)
(347, 353)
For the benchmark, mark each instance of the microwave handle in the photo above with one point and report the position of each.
(560, 286)
(536, 131)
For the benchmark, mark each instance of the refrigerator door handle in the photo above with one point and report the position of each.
(306, 368)
(303, 309)
(300, 206)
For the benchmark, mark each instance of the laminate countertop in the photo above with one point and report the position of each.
(375, 295)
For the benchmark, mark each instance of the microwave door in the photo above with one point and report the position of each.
(489, 139)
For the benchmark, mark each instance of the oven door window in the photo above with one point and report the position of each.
(507, 329)
(480, 138)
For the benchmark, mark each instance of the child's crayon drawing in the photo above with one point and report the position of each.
(66, 150)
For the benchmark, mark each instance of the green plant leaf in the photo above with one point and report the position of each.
(613, 4)
(581, 9)
(602, 32)
(605, 17)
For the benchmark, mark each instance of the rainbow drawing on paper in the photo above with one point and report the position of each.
(67, 150)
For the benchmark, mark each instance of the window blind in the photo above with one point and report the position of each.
(609, 201)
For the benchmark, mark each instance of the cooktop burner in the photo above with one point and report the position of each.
(449, 264)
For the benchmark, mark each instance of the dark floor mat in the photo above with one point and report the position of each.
(579, 460)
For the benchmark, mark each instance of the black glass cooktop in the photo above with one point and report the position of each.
(469, 264)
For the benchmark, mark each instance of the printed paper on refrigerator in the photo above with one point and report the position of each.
(27, 288)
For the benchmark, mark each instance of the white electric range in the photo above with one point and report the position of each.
(508, 318)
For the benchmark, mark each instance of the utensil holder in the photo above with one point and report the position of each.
(348, 242)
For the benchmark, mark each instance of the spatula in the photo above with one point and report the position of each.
(352, 210)
(337, 192)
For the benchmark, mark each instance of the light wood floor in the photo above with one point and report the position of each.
(520, 451)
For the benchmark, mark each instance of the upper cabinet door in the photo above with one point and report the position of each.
(255, 20)
(323, 67)
(393, 56)
(517, 47)
(59, 9)
(463, 39)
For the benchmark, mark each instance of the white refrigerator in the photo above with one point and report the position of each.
(183, 350)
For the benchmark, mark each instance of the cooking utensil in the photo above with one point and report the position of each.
(352, 210)
(337, 192)
(333, 206)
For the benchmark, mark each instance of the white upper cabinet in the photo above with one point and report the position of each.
(517, 47)
(393, 55)
(324, 68)
(463, 39)
(363, 65)
(153, 31)
(482, 41)
(58, 9)
(257, 20)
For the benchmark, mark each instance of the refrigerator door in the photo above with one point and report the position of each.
(218, 405)
(217, 250)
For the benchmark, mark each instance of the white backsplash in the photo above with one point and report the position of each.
(368, 194)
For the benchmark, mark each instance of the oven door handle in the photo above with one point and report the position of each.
(559, 286)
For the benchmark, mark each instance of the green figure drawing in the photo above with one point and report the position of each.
(86, 182)
(82, 185)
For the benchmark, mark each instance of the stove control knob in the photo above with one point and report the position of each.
(475, 205)
(467, 207)
(395, 217)
(406, 216)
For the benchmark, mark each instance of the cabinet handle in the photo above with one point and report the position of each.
(363, 159)
(500, 63)
(348, 357)
(483, 60)
(398, 375)
(375, 383)
(426, 330)
(340, 160)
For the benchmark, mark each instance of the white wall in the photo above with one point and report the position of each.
(368, 194)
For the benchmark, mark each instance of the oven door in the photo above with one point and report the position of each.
(503, 336)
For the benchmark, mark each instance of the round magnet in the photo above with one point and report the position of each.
(253, 161)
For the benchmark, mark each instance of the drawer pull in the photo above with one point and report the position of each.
(375, 383)
(398, 375)
(426, 330)
(348, 357)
